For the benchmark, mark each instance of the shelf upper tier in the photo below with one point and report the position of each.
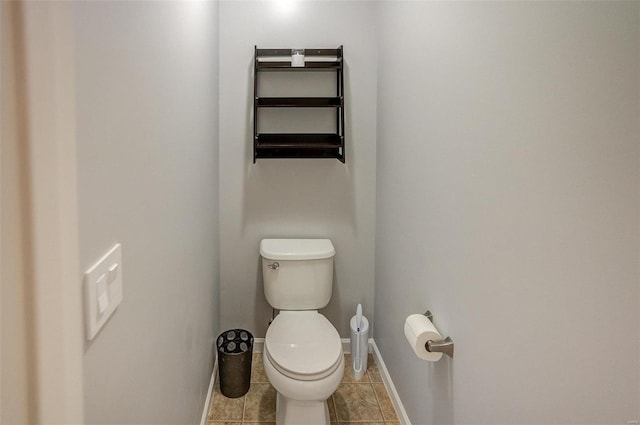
(308, 66)
(315, 60)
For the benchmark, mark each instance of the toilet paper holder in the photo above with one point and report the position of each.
(445, 346)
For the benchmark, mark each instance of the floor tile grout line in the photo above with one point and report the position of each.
(244, 406)
(375, 393)
(380, 405)
(335, 408)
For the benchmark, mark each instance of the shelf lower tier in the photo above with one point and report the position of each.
(299, 146)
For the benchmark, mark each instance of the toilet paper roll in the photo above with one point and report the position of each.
(418, 329)
(297, 60)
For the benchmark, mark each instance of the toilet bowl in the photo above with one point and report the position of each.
(304, 362)
(303, 356)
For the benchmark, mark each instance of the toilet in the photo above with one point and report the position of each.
(303, 356)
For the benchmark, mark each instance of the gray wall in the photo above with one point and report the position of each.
(16, 385)
(147, 83)
(507, 203)
(295, 198)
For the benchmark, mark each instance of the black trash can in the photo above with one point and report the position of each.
(235, 349)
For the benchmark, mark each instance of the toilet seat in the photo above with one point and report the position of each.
(303, 345)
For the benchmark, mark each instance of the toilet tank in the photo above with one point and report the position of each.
(297, 273)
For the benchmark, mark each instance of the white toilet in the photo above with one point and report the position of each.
(303, 356)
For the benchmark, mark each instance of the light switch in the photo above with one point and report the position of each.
(103, 290)
(103, 297)
(113, 271)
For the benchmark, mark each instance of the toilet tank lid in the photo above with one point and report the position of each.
(296, 249)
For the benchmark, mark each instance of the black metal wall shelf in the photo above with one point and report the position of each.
(299, 145)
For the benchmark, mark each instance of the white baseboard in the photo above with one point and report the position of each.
(209, 399)
(388, 383)
(258, 347)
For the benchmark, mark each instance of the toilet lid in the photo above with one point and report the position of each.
(303, 344)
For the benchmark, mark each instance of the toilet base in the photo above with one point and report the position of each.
(296, 412)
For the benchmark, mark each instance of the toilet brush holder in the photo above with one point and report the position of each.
(359, 346)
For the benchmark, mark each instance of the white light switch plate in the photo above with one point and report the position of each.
(103, 290)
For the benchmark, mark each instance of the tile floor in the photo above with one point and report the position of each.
(364, 402)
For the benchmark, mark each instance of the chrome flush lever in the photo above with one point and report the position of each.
(274, 266)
